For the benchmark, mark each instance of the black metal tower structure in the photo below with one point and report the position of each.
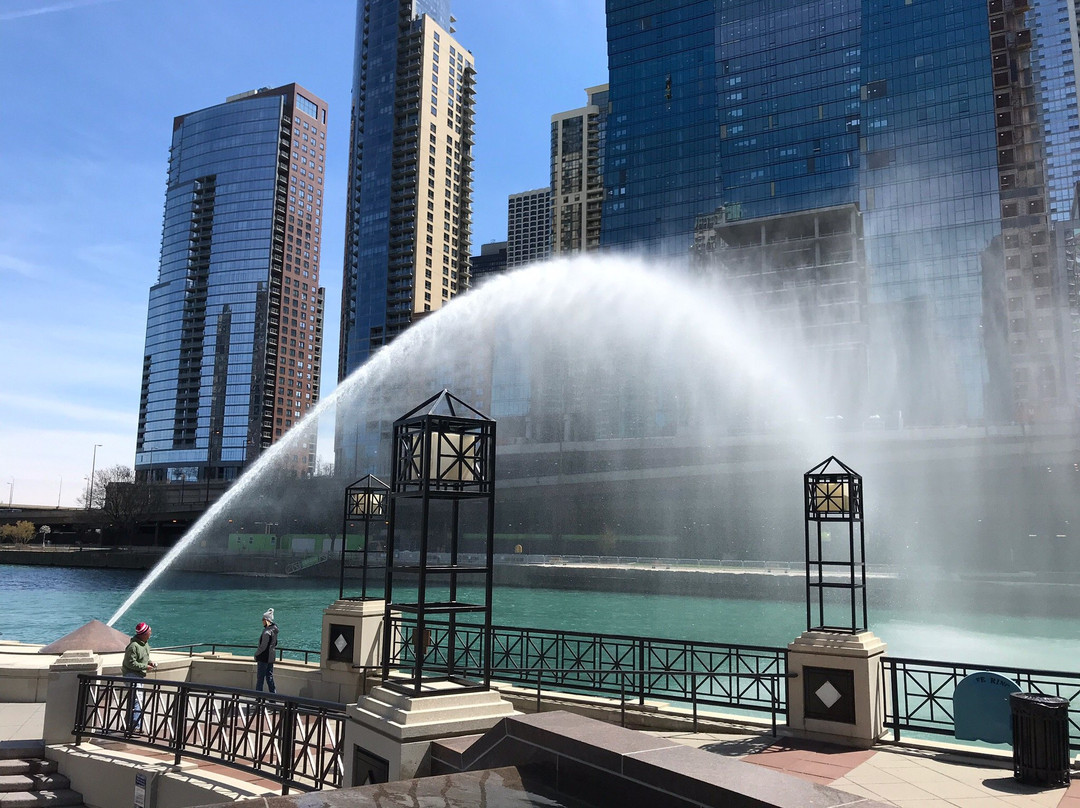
(443, 458)
(365, 501)
(835, 549)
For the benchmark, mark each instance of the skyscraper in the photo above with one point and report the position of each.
(923, 114)
(528, 227)
(234, 331)
(409, 206)
(578, 137)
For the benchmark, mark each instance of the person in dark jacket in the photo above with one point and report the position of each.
(264, 656)
(135, 666)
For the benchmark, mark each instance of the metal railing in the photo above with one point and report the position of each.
(296, 741)
(679, 671)
(920, 693)
(295, 654)
(773, 683)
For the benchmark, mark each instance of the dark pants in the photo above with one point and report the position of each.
(264, 671)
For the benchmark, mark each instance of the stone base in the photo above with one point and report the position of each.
(352, 637)
(838, 689)
(398, 729)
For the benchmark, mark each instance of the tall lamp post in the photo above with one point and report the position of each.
(365, 500)
(90, 484)
(835, 565)
(443, 454)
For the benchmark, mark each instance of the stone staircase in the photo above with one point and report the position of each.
(28, 780)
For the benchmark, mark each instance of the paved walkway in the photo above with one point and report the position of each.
(907, 778)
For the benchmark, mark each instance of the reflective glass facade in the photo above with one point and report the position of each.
(378, 87)
(731, 110)
(662, 166)
(929, 195)
(226, 344)
(1056, 61)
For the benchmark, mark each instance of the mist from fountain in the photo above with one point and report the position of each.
(615, 361)
(608, 323)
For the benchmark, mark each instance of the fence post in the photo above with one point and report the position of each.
(80, 707)
(288, 730)
(180, 724)
(894, 689)
(539, 675)
(622, 700)
(693, 695)
(641, 667)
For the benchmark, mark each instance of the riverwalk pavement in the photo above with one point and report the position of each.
(900, 776)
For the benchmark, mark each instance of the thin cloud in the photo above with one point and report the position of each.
(10, 263)
(33, 12)
(69, 410)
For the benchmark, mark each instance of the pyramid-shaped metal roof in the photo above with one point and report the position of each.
(94, 636)
(445, 404)
(832, 466)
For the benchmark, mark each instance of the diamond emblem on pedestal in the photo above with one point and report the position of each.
(340, 643)
(828, 694)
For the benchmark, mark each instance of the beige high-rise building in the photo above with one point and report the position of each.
(577, 174)
(410, 176)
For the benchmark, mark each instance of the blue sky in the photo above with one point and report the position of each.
(93, 86)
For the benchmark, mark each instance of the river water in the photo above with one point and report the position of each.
(41, 604)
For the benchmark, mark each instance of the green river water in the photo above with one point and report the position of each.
(41, 604)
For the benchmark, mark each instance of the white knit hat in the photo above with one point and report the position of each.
(269, 615)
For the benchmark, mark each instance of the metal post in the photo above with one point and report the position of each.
(288, 731)
(181, 724)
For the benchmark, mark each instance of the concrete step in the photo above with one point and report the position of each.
(21, 749)
(26, 766)
(41, 799)
(10, 783)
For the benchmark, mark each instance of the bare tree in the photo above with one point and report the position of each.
(123, 498)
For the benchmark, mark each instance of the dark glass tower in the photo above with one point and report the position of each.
(923, 115)
(234, 331)
(408, 225)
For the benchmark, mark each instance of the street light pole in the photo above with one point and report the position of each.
(11, 492)
(90, 485)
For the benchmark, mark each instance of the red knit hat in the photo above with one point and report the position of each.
(142, 628)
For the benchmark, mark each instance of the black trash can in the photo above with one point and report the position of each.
(1040, 732)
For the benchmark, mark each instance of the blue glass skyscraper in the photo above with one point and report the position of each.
(234, 331)
(917, 112)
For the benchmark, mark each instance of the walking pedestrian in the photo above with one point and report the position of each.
(264, 656)
(135, 666)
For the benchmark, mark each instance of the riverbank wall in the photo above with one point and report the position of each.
(1003, 593)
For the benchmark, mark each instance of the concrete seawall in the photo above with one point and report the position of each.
(1046, 594)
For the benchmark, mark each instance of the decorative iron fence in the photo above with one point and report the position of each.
(920, 693)
(298, 742)
(745, 677)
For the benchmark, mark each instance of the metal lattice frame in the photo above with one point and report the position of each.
(920, 693)
(833, 497)
(717, 674)
(298, 742)
(366, 500)
(443, 455)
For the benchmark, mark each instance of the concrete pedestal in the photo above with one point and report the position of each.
(63, 693)
(393, 730)
(838, 691)
(352, 637)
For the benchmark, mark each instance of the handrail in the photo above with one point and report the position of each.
(214, 646)
(295, 740)
(624, 674)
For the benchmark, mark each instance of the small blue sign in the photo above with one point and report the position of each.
(981, 709)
